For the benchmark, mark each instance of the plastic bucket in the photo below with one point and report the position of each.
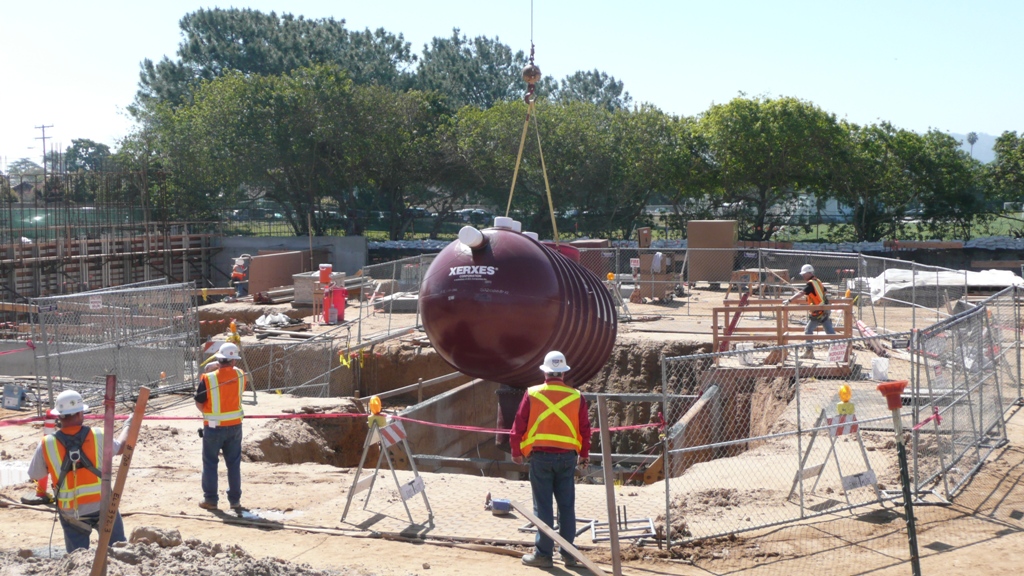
(880, 369)
(325, 273)
(334, 299)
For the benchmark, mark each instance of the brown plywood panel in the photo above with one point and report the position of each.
(268, 271)
(710, 266)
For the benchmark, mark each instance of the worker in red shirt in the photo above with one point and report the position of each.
(552, 429)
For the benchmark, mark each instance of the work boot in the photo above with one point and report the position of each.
(538, 561)
(570, 561)
(207, 505)
(809, 353)
(237, 506)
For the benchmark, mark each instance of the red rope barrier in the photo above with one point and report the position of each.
(21, 421)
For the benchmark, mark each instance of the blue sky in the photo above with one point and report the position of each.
(953, 66)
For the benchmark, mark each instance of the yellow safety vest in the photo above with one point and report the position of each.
(818, 297)
(81, 486)
(554, 418)
(223, 406)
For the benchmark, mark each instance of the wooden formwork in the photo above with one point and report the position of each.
(68, 265)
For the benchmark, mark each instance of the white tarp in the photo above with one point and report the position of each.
(897, 279)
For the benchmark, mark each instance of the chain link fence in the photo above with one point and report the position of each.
(763, 445)
(147, 336)
(770, 442)
(316, 367)
(963, 376)
(390, 295)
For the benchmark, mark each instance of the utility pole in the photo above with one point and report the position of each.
(43, 138)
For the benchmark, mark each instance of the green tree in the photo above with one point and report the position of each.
(972, 139)
(595, 87)
(281, 137)
(85, 155)
(767, 152)
(1007, 170)
(395, 149)
(955, 198)
(23, 167)
(882, 177)
(471, 72)
(218, 41)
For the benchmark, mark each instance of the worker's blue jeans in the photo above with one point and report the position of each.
(227, 439)
(553, 474)
(813, 324)
(75, 538)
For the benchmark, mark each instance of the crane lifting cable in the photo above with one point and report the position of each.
(532, 75)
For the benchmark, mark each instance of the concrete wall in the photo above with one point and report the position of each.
(472, 404)
(18, 363)
(346, 253)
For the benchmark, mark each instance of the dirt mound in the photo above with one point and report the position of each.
(636, 368)
(334, 441)
(191, 558)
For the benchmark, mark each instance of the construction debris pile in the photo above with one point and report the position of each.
(156, 552)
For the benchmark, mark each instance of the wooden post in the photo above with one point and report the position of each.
(108, 441)
(609, 483)
(99, 563)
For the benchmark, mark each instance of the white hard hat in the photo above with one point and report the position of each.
(807, 269)
(228, 351)
(69, 402)
(554, 362)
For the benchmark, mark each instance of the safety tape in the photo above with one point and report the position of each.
(29, 345)
(935, 416)
(20, 421)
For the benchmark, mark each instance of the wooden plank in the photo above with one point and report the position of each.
(100, 562)
(12, 307)
(609, 484)
(528, 514)
(987, 264)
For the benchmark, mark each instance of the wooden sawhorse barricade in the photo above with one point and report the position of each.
(837, 426)
(387, 436)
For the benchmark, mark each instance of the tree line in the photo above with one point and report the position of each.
(329, 122)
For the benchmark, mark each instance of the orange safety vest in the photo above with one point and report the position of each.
(223, 406)
(554, 418)
(81, 486)
(817, 297)
(238, 273)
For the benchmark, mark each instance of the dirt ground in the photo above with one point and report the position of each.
(980, 532)
(293, 526)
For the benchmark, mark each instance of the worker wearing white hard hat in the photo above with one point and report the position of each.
(816, 295)
(219, 398)
(71, 457)
(552, 429)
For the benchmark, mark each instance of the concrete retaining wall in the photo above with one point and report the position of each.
(472, 404)
(347, 253)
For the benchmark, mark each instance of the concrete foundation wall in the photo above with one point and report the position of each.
(472, 404)
(19, 363)
(346, 253)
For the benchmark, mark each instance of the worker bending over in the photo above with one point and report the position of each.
(71, 457)
(552, 429)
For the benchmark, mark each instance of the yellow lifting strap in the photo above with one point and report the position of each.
(531, 112)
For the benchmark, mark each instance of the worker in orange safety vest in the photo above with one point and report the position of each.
(219, 398)
(816, 296)
(71, 457)
(552, 429)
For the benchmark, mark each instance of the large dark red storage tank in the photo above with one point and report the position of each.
(494, 310)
